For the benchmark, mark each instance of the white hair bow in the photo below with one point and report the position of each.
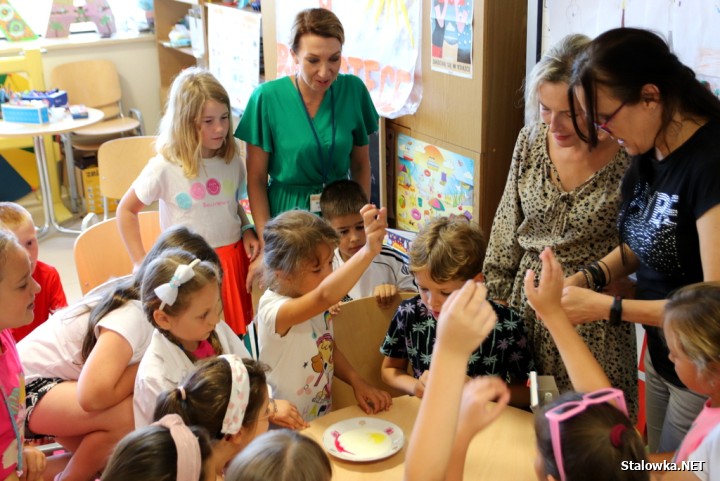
(168, 292)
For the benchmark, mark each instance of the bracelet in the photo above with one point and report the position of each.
(247, 227)
(609, 274)
(616, 311)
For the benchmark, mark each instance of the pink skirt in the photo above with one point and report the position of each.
(237, 302)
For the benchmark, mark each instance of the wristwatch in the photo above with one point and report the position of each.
(616, 311)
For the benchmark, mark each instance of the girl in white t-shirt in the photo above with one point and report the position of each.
(80, 365)
(198, 177)
(295, 333)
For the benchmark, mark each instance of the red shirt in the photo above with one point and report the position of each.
(50, 298)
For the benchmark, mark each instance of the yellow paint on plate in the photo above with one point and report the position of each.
(365, 442)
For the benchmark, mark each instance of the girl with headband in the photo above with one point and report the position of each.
(168, 450)
(227, 396)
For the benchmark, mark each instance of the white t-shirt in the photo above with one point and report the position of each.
(388, 267)
(709, 454)
(54, 348)
(207, 204)
(164, 365)
(301, 361)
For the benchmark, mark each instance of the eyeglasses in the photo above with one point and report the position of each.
(604, 126)
(570, 409)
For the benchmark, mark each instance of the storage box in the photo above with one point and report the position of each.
(27, 114)
(400, 239)
(54, 98)
(88, 184)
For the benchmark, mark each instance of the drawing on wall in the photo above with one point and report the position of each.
(689, 27)
(65, 12)
(451, 38)
(431, 182)
(12, 24)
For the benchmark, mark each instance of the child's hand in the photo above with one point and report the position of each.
(545, 298)
(375, 221)
(255, 271)
(384, 294)
(466, 319)
(251, 244)
(34, 464)
(335, 309)
(371, 399)
(287, 416)
(420, 384)
(475, 411)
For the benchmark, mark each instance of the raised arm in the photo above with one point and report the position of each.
(129, 225)
(464, 323)
(585, 372)
(335, 286)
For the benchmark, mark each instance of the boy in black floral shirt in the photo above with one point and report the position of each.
(445, 254)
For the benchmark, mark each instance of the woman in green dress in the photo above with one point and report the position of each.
(307, 130)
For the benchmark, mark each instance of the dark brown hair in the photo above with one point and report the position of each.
(588, 454)
(316, 21)
(207, 395)
(342, 197)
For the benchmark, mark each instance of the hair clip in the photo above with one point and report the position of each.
(616, 434)
(168, 292)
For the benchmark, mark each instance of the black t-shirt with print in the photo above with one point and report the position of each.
(660, 227)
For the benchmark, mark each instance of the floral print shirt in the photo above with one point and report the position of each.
(505, 352)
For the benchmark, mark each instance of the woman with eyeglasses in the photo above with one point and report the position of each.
(560, 193)
(631, 86)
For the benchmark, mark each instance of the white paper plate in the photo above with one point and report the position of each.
(363, 439)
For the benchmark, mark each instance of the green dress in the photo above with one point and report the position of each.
(275, 120)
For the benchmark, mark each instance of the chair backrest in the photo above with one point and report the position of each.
(94, 83)
(120, 161)
(359, 329)
(100, 253)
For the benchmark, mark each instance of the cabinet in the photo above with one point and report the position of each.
(172, 60)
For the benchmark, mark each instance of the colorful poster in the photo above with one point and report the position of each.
(431, 182)
(382, 47)
(66, 12)
(451, 26)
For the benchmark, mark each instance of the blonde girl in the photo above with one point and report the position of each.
(198, 178)
(227, 396)
(166, 451)
(281, 456)
(17, 295)
(295, 333)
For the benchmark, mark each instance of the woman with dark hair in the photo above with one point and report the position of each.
(632, 87)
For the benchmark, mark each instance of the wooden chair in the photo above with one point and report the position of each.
(360, 328)
(100, 253)
(95, 83)
(120, 161)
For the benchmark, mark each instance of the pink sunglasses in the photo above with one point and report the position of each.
(569, 409)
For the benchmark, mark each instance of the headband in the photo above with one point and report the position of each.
(186, 445)
(616, 434)
(168, 292)
(239, 395)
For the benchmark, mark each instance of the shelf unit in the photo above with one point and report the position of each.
(173, 60)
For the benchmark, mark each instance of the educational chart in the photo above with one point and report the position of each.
(451, 24)
(431, 182)
(689, 26)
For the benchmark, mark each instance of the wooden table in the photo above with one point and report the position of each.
(37, 131)
(503, 451)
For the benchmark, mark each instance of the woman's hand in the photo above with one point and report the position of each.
(371, 399)
(578, 279)
(583, 305)
(287, 416)
(251, 244)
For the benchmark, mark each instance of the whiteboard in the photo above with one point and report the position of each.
(689, 26)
